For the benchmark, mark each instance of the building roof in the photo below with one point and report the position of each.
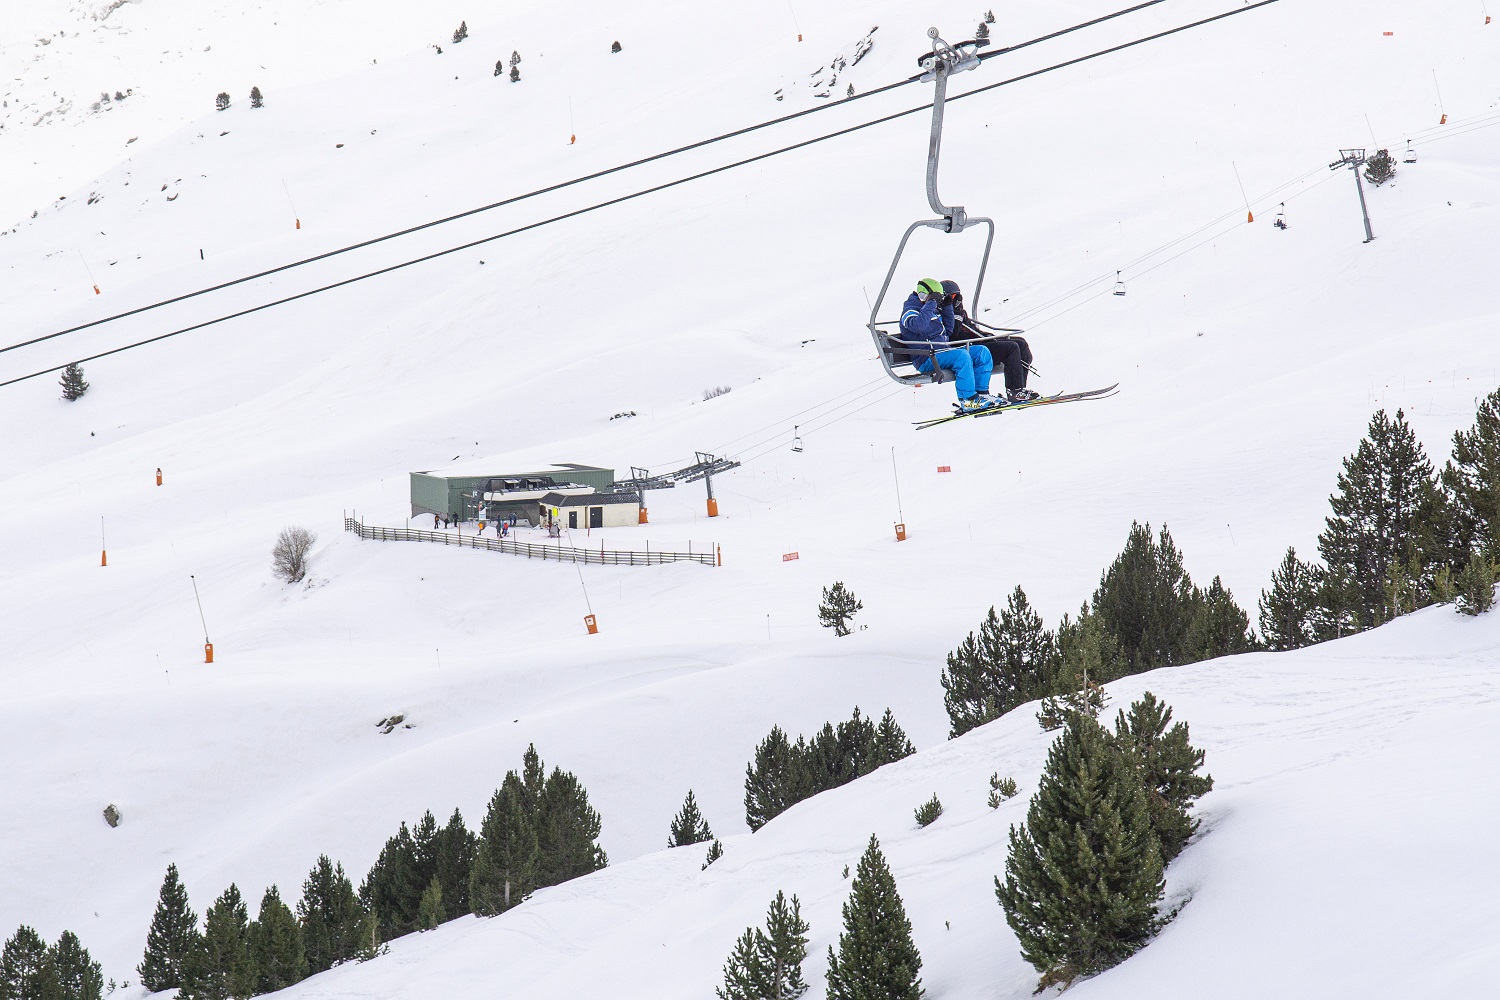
(475, 470)
(588, 499)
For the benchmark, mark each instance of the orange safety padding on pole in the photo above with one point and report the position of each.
(900, 532)
(103, 558)
(713, 507)
(1443, 120)
(1249, 216)
(158, 477)
(718, 556)
(572, 139)
(591, 623)
(299, 223)
(96, 290)
(208, 652)
(643, 519)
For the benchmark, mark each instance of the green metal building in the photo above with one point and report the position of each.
(456, 496)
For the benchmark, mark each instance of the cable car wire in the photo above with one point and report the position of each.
(514, 199)
(590, 208)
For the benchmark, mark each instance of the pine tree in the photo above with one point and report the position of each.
(1220, 627)
(689, 826)
(982, 32)
(614, 46)
(425, 851)
(744, 976)
(76, 973)
(515, 74)
(1472, 481)
(1380, 168)
(891, 743)
(1388, 510)
(1476, 586)
(515, 58)
(222, 101)
(431, 913)
(1084, 873)
(877, 959)
(505, 859)
(928, 812)
(768, 780)
(172, 937)
(1007, 664)
(333, 922)
(392, 890)
(461, 32)
(73, 385)
(715, 852)
(499, 66)
(25, 971)
(455, 861)
(276, 948)
(1338, 604)
(1168, 766)
(256, 99)
(567, 831)
(221, 968)
(1146, 602)
(533, 778)
(838, 608)
(1289, 610)
(783, 947)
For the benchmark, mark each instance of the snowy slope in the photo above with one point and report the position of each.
(1251, 360)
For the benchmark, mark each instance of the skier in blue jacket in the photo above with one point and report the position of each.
(927, 319)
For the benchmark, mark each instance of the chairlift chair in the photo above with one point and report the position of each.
(943, 61)
(796, 439)
(1280, 222)
(1411, 154)
(1119, 285)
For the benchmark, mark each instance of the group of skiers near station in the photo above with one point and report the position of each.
(934, 316)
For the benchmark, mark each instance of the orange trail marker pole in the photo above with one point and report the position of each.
(103, 549)
(293, 204)
(572, 131)
(795, 24)
(1250, 216)
(208, 647)
(90, 273)
(900, 514)
(1444, 119)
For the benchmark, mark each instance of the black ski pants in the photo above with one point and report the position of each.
(1013, 354)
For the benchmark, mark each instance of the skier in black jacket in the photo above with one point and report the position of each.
(1010, 351)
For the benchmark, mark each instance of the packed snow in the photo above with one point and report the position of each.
(1344, 851)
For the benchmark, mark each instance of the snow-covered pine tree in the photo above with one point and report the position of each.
(276, 949)
(24, 968)
(1380, 168)
(989, 17)
(222, 101)
(257, 100)
(876, 959)
(515, 74)
(73, 385)
(220, 968)
(567, 831)
(461, 32)
(838, 608)
(77, 975)
(430, 911)
(1169, 767)
(715, 852)
(783, 947)
(768, 790)
(505, 857)
(333, 922)
(515, 58)
(1146, 602)
(689, 826)
(455, 859)
(1476, 585)
(1471, 479)
(392, 889)
(982, 33)
(1220, 627)
(1388, 510)
(1289, 610)
(172, 937)
(1084, 873)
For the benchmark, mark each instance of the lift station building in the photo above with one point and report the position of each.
(459, 494)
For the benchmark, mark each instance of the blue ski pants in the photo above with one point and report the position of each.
(971, 367)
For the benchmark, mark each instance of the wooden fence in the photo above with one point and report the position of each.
(557, 553)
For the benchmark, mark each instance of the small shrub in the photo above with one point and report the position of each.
(1001, 789)
(73, 385)
(222, 101)
(713, 391)
(1476, 586)
(615, 47)
(715, 852)
(929, 811)
(989, 17)
(1380, 168)
(838, 608)
(499, 66)
(289, 556)
(256, 100)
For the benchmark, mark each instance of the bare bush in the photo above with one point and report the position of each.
(717, 390)
(289, 556)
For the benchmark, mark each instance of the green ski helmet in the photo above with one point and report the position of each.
(930, 288)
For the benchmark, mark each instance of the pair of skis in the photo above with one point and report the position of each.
(1061, 397)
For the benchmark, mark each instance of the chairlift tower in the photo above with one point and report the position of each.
(705, 468)
(1354, 159)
